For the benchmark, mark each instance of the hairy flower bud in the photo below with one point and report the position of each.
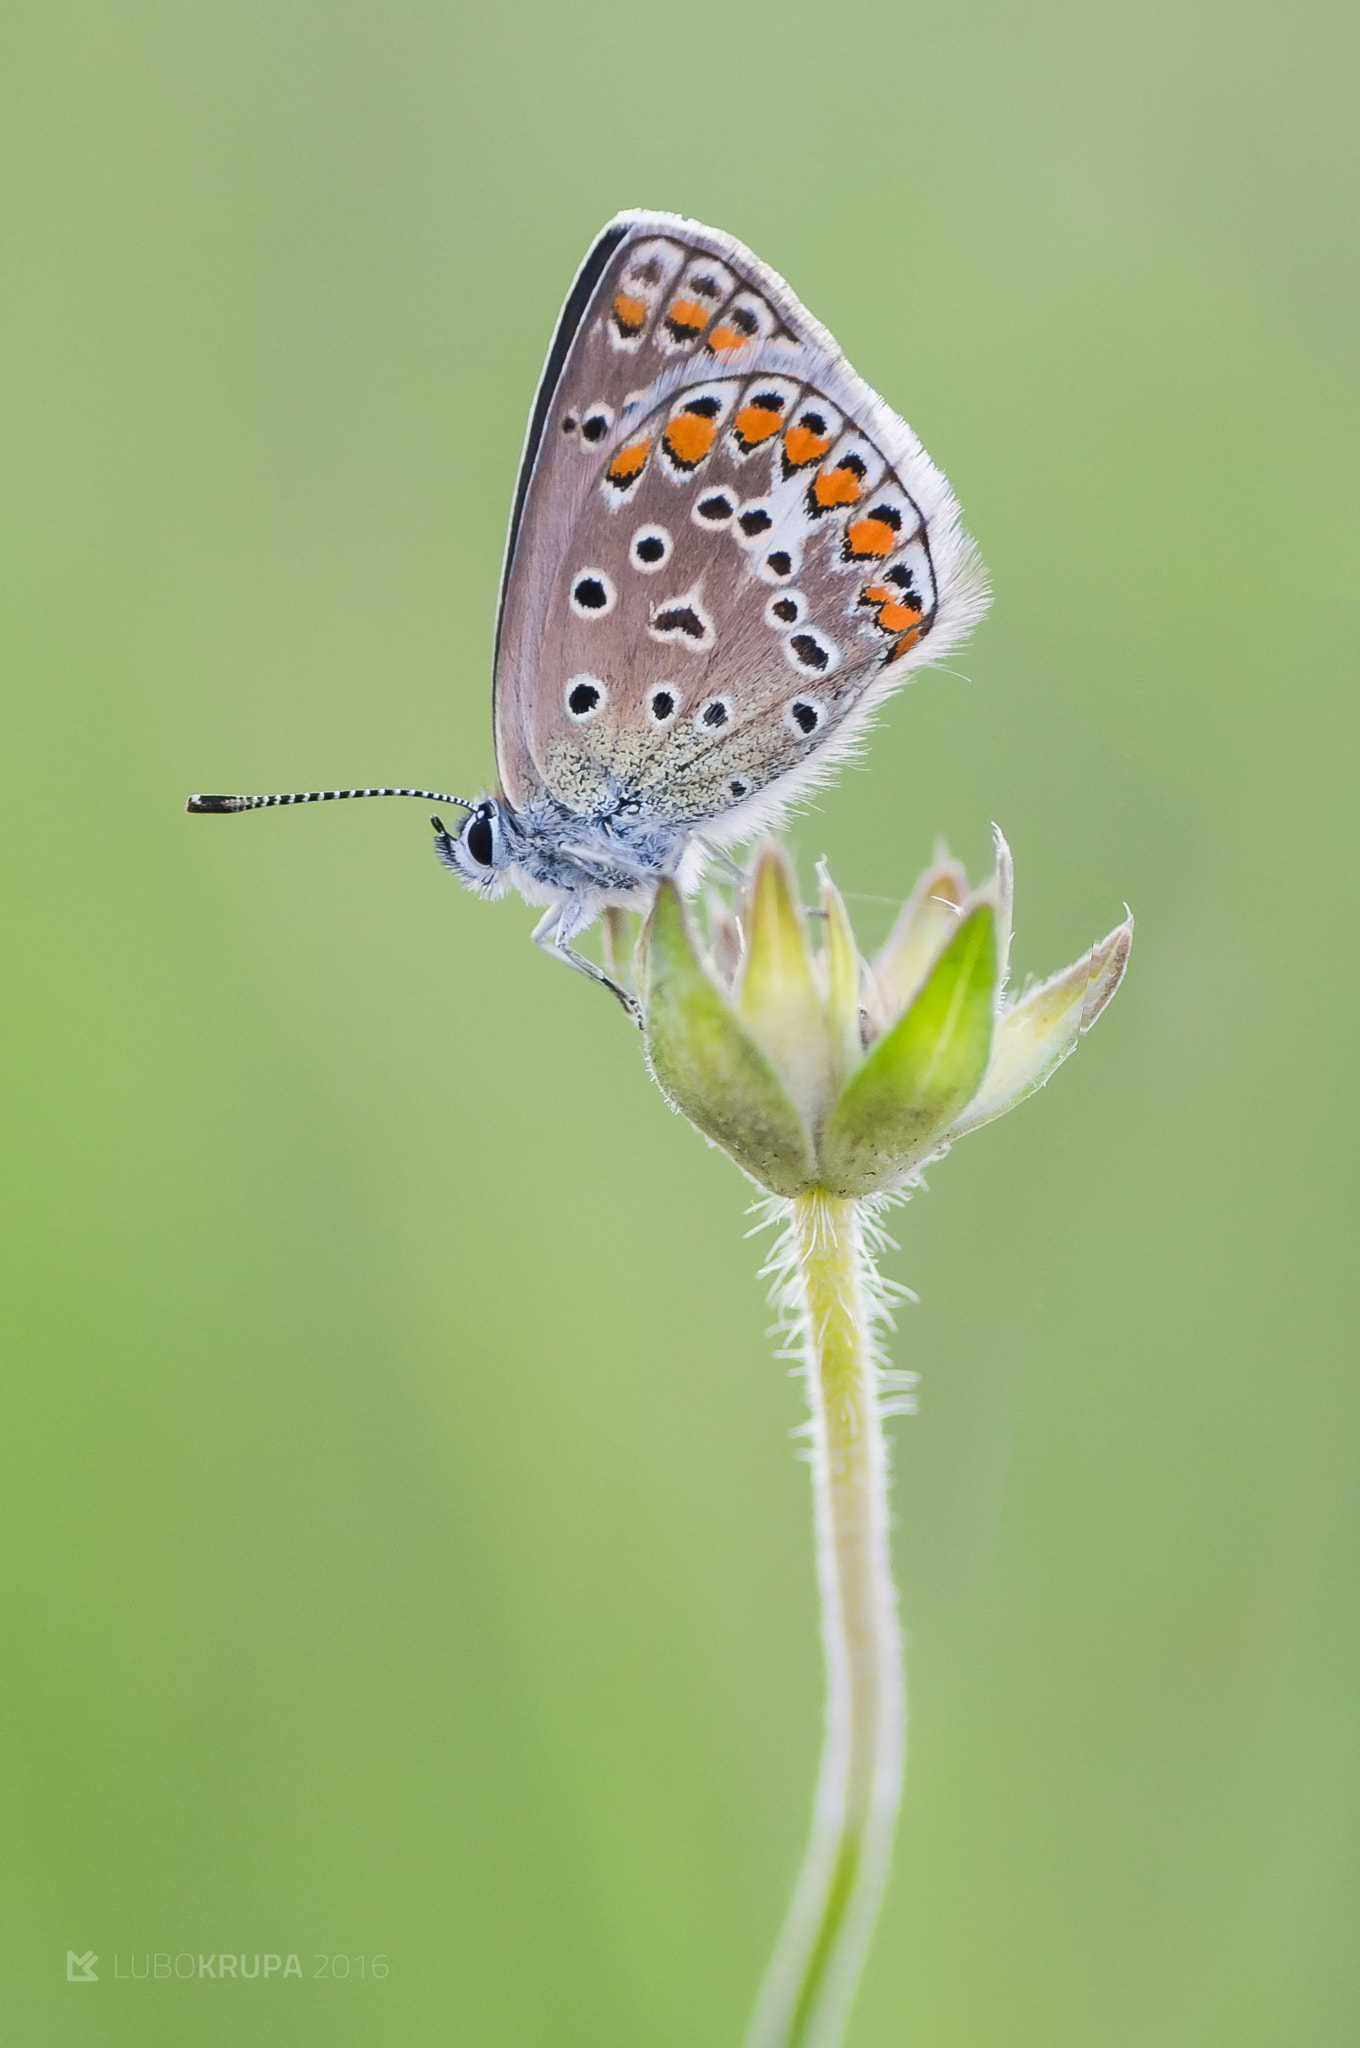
(815, 1069)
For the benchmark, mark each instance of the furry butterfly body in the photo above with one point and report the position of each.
(725, 550)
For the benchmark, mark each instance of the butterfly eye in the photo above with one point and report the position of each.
(480, 839)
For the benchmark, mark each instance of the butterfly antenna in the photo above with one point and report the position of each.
(202, 806)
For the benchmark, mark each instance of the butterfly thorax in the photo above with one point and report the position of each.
(616, 855)
(553, 855)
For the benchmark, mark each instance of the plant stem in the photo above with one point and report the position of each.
(831, 1294)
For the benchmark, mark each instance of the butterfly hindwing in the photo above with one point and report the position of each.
(725, 547)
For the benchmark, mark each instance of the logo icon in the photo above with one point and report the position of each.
(80, 1969)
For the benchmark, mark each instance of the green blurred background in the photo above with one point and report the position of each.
(404, 1548)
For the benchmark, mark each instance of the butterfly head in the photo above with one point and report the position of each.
(480, 852)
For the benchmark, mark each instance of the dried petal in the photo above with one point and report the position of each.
(724, 940)
(1036, 1036)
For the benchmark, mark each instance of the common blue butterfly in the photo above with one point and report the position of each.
(724, 551)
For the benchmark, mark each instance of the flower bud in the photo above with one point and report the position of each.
(821, 1072)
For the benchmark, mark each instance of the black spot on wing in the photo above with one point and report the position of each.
(679, 618)
(809, 650)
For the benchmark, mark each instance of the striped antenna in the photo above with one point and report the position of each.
(201, 806)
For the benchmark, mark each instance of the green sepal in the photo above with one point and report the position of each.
(899, 1103)
(777, 996)
(708, 1065)
(926, 923)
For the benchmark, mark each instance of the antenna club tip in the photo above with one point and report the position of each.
(201, 805)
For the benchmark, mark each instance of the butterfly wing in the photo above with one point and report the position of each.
(737, 548)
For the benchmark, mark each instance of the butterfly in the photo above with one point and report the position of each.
(725, 551)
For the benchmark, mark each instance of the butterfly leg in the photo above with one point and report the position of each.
(547, 934)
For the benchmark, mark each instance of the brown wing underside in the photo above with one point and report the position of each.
(717, 554)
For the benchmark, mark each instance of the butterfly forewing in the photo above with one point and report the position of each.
(737, 547)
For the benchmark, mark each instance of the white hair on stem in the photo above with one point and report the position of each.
(834, 1310)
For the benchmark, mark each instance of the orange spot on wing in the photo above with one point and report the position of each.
(723, 339)
(686, 318)
(688, 439)
(900, 617)
(629, 314)
(838, 486)
(629, 463)
(802, 446)
(906, 643)
(755, 423)
(894, 613)
(869, 537)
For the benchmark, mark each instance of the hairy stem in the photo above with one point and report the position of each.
(831, 1296)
